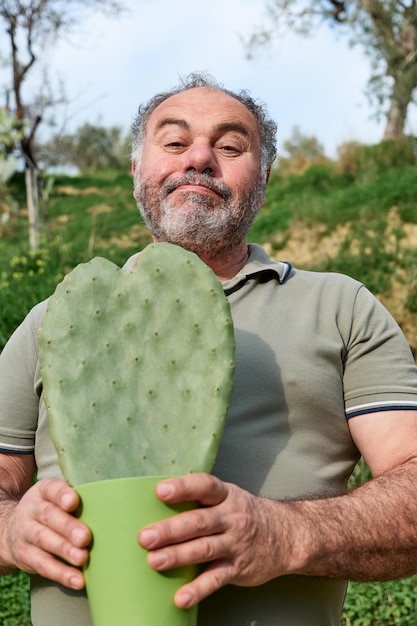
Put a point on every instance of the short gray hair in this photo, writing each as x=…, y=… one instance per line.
x=268, y=127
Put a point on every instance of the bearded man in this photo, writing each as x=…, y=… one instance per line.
x=323, y=375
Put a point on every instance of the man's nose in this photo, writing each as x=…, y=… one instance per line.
x=201, y=158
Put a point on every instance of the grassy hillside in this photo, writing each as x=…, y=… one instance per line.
x=357, y=216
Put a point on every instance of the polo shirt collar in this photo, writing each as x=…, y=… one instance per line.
x=258, y=263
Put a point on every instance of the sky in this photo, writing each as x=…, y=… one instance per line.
x=111, y=65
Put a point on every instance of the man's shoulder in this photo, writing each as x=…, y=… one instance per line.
x=36, y=315
x=290, y=273
x=332, y=279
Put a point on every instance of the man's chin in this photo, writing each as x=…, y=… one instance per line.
x=191, y=201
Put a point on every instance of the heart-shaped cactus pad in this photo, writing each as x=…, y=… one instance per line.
x=137, y=366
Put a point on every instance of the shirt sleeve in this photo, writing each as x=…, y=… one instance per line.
x=20, y=386
x=380, y=371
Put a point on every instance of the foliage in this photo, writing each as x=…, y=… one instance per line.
x=302, y=150
x=90, y=149
x=14, y=600
x=87, y=217
x=411, y=299
x=372, y=160
x=391, y=603
x=307, y=146
x=385, y=29
x=10, y=132
x=332, y=195
x=26, y=280
x=28, y=27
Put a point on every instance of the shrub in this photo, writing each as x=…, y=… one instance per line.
x=364, y=160
x=24, y=281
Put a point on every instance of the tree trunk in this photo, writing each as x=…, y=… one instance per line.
x=394, y=128
x=32, y=198
x=401, y=96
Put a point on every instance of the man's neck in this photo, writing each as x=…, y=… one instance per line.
x=226, y=268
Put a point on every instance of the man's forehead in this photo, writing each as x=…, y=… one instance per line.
x=203, y=102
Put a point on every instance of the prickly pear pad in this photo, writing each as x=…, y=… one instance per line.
x=137, y=367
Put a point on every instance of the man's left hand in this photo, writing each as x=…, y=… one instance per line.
x=232, y=532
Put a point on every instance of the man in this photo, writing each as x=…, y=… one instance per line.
x=323, y=374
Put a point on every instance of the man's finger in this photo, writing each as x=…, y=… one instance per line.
x=213, y=578
x=196, y=523
x=203, y=488
x=48, y=567
x=59, y=492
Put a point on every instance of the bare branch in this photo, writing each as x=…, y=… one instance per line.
x=29, y=26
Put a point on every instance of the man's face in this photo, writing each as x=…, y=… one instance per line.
x=199, y=180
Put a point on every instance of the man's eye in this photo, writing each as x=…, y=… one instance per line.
x=174, y=144
x=230, y=150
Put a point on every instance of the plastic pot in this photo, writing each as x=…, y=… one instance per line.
x=121, y=587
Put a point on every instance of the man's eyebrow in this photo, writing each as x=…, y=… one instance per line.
x=224, y=127
x=167, y=121
x=236, y=127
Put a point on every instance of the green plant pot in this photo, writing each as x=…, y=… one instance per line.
x=121, y=587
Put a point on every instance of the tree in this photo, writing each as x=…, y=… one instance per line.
x=89, y=149
x=387, y=31
x=29, y=26
x=302, y=150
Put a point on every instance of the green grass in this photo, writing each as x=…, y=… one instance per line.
x=322, y=194
x=96, y=215
x=381, y=604
x=14, y=600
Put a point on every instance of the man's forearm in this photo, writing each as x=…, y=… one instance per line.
x=16, y=475
x=7, y=506
x=369, y=534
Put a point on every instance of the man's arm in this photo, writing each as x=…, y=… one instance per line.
x=36, y=524
x=369, y=534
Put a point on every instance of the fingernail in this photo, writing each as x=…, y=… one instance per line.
x=76, y=582
x=164, y=490
x=184, y=600
x=67, y=501
x=148, y=538
x=157, y=559
x=79, y=536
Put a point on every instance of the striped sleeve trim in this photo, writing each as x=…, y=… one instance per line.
x=373, y=407
x=6, y=448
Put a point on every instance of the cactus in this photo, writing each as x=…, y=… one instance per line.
x=137, y=367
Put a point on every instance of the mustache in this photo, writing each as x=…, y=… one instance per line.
x=199, y=179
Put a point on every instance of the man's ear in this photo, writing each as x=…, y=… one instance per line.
x=267, y=175
x=134, y=168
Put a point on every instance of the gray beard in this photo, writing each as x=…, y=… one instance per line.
x=210, y=228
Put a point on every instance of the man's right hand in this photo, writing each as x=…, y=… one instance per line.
x=41, y=535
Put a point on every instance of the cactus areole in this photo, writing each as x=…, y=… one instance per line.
x=137, y=367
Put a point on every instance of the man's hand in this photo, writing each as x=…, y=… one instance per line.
x=40, y=527
x=367, y=534
x=232, y=533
